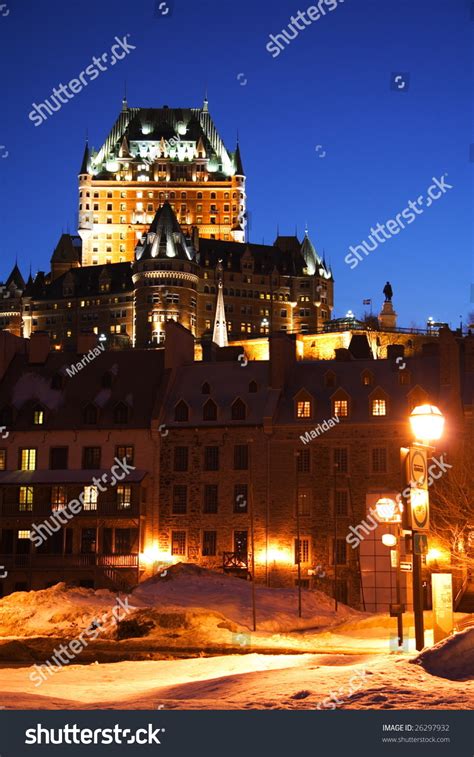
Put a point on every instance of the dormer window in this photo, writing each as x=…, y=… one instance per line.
x=121, y=413
x=239, y=410
x=330, y=379
x=57, y=381
x=367, y=378
x=379, y=407
x=205, y=389
x=253, y=387
x=341, y=408
x=90, y=415
x=38, y=416
x=303, y=409
x=181, y=412
x=209, y=411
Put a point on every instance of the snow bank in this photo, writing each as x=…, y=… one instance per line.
x=451, y=658
x=185, y=585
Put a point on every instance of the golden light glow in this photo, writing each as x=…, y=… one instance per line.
x=387, y=509
x=389, y=540
x=274, y=554
x=153, y=554
x=427, y=423
x=435, y=555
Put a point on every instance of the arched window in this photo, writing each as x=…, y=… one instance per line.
x=209, y=411
x=253, y=386
x=121, y=413
x=90, y=415
x=239, y=411
x=181, y=412
x=205, y=389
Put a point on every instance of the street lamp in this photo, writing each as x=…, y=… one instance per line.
x=427, y=423
x=390, y=512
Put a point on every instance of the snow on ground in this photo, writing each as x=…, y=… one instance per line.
x=451, y=658
x=277, y=609
x=251, y=681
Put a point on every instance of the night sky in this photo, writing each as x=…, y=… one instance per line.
x=331, y=86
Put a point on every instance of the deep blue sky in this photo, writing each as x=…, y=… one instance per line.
x=329, y=87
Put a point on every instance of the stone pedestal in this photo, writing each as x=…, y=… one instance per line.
x=387, y=317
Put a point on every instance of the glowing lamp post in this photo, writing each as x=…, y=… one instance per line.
x=427, y=424
x=389, y=511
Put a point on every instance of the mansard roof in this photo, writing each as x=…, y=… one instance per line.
x=144, y=128
x=84, y=281
x=266, y=258
x=165, y=238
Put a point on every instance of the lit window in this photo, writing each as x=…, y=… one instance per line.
x=38, y=417
x=25, y=498
x=3, y=459
x=90, y=498
x=58, y=497
x=178, y=543
x=124, y=496
x=304, y=502
x=301, y=551
x=27, y=459
x=23, y=534
x=303, y=409
x=341, y=408
x=379, y=407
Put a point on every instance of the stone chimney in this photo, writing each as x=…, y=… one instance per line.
x=10, y=345
x=39, y=347
x=282, y=358
x=179, y=346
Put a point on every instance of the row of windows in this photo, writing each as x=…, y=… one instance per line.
x=115, y=541
x=378, y=407
x=58, y=457
x=340, y=460
x=161, y=195
x=209, y=410
x=90, y=414
x=59, y=500
x=211, y=458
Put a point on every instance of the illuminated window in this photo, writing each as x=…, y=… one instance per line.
x=25, y=498
x=58, y=497
x=124, y=496
x=379, y=407
x=27, y=459
x=303, y=409
x=38, y=417
x=24, y=534
x=90, y=497
x=3, y=459
x=178, y=543
x=341, y=408
x=301, y=550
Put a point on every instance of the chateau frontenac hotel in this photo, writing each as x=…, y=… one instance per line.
x=256, y=429
x=160, y=203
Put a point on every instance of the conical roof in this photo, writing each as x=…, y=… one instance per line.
x=165, y=238
x=16, y=278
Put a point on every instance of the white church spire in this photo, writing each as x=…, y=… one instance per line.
x=220, y=324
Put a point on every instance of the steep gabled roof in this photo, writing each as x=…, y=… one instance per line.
x=16, y=278
x=85, y=160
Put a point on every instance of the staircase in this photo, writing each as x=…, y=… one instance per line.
x=117, y=579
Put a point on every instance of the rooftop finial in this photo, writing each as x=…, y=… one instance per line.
x=205, y=106
x=124, y=100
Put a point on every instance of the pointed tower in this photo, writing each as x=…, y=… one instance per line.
x=165, y=277
x=238, y=181
x=219, y=335
x=85, y=215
